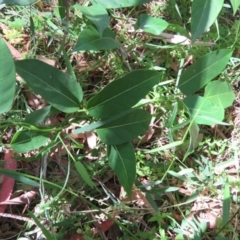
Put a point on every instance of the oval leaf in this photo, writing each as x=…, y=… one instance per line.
x=27, y=140
x=91, y=39
x=203, y=71
x=59, y=89
x=220, y=93
x=203, y=111
x=204, y=13
x=120, y=4
x=97, y=14
x=7, y=78
x=123, y=93
x=18, y=2
x=122, y=160
x=125, y=128
x=150, y=24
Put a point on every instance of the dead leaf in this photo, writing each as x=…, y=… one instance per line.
x=47, y=60
x=23, y=199
x=34, y=100
x=136, y=196
x=174, y=66
x=8, y=183
x=91, y=139
x=104, y=226
x=13, y=36
x=15, y=53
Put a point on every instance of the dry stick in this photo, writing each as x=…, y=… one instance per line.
x=25, y=219
x=125, y=58
x=177, y=39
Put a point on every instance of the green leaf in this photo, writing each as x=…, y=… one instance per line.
x=165, y=147
x=226, y=204
x=123, y=162
x=203, y=71
x=91, y=39
x=19, y=176
x=220, y=93
x=235, y=5
x=38, y=116
x=59, y=89
x=97, y=14
x=178, y=29
x=221, y=238
x=62, y=9
x=125, y=128
x=84, y=174
x=123, y=93
x=120, y=4
x=48, y=235
x=203, y=111
x=204, y=13
x=194, y=131
x=100, y=123
x=150, y=24
x=27, y=140
x=18, y=2
x=183, y=178
x=7, y=78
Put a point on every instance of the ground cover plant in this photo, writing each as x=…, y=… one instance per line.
x=119, y=119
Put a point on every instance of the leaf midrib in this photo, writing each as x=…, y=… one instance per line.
x=48, y=85
x=121, y=93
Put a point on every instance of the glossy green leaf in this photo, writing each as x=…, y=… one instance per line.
x=83, y=173
x=27, y=140
x=203, y=111
x=120, y=4
x=59, y=89
x=204, y=13
x=220, y=93
x=91, y=39
x=123, y=93
x=203, y=71
x=235, y=5
x=38, y=116
x=7, y=78
x=122, y=160
x=150, y=24
x=97, y=14
x=18, y=2
x=126, y=128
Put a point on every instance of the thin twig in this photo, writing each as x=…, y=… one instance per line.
x=25, y=219
x=177, y=39
x=125, y=58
